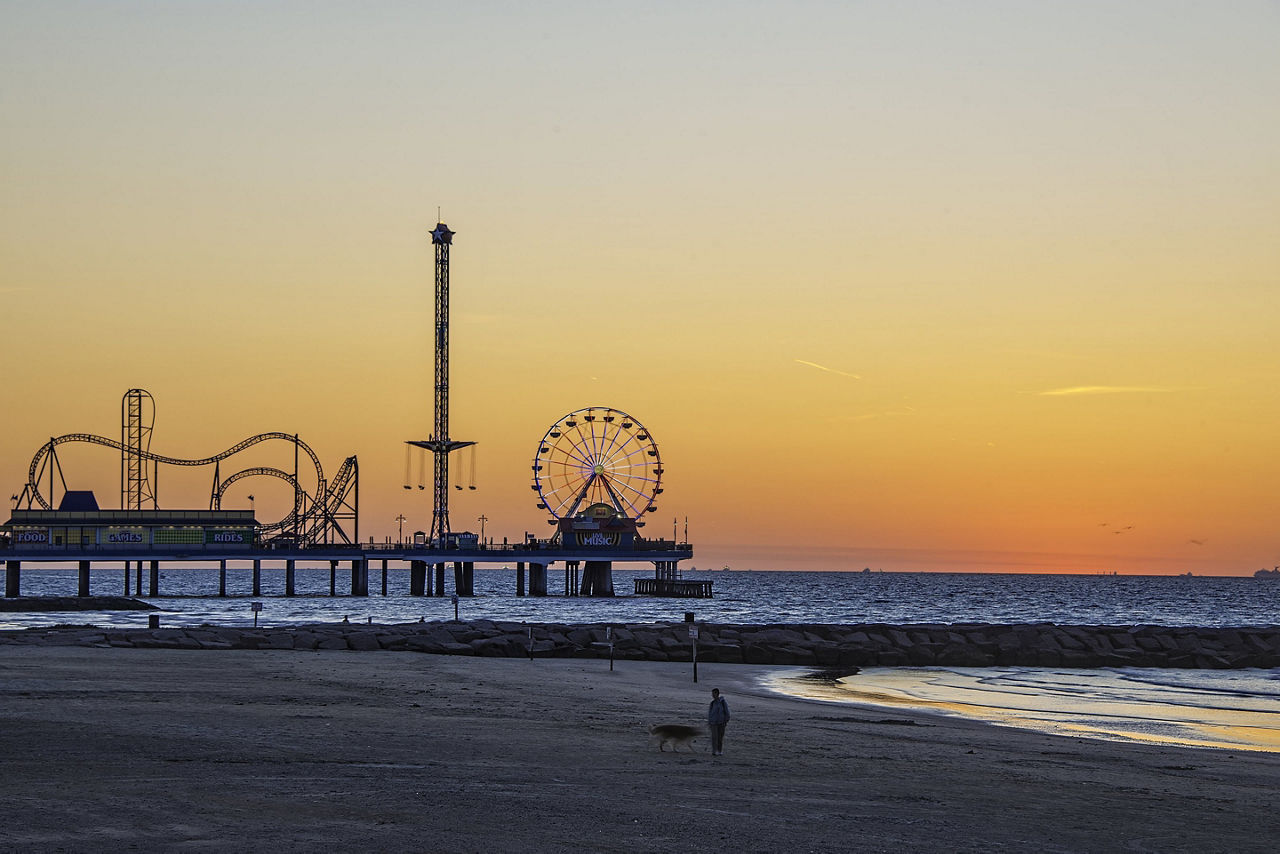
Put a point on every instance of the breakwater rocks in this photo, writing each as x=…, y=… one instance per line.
x=73, y=603
x=968, y=645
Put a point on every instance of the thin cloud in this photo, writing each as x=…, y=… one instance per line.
x=1103, y=389
x=828, y=370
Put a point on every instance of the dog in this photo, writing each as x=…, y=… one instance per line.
x=676, y=734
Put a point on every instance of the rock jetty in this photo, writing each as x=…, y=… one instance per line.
x=73, y=603
x=821, y=645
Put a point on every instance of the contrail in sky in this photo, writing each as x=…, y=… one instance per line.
x=828, y=370
x=1103, y=389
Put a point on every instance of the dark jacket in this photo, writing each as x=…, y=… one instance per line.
x=718, y=713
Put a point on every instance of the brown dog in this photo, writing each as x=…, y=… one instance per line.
x=676, y=734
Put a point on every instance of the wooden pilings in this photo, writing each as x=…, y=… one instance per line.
x=333, y=578
x=12, y=577
x=222, y=578
x=257, y=578
x=520, y=578
x=597, y=578
x=359, y=577
x=384, y=577
x=418, y=578
x=153, y=579
x=440, y=579
x=290, y=574
x=537, y=579
x=82, y=578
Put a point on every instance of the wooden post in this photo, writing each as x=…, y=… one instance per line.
x=83, y=578
x=417, y=578
x=537, y=579
x=469, y=577
x=520, y=578
x=257, y=577
x=154, y=580
x=289, y=576
x=222, y=577
x=138, y=579
x=13, y=578
x=359, y=577
x=440, y=579
x=384, y=576
x=126, y=578
x=333, y=578
x=597, y=578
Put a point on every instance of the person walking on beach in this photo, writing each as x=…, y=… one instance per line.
x=717, y=717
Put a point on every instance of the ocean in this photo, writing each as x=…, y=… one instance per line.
x=189, y=598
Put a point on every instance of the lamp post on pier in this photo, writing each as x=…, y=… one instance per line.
x=401, y=520
x=483, y=518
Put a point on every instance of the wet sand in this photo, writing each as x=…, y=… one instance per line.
x=153, y=750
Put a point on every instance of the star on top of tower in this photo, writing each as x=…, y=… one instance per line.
x=442, y=234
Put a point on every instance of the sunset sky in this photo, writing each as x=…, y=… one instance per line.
x=912, y=286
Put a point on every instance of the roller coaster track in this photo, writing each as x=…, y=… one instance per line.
x=312, y=524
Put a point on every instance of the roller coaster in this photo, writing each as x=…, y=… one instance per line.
x=321, y=517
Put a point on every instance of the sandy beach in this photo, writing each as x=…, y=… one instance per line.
x=146, y=750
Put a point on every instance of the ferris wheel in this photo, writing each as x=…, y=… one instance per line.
x=595, y=456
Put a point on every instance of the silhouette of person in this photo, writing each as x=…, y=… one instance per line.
x=717, y=717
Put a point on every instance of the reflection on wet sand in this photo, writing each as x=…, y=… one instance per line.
x=1236, y=710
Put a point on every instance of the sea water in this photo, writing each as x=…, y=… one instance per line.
x=189, y=597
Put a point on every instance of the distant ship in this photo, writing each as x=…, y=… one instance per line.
x=1268, y=573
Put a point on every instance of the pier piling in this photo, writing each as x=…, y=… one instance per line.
x=12, y=577
x=417, y=578
x=289, y=576
x=83, y=578
x=520, y=578
x=153, y=580
x=222, y=578
x=257, y=577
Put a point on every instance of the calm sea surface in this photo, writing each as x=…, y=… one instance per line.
x=189, y=595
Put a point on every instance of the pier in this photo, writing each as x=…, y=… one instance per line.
x=427, y=567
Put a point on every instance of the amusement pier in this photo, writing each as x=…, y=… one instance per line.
x=596, y=473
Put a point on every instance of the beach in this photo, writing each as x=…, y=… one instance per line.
x=257, y=750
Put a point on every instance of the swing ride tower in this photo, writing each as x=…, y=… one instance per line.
x=440, y=445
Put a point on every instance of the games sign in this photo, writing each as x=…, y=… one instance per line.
x=123, y=536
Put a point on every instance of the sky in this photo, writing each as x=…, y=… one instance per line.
x=917, y=286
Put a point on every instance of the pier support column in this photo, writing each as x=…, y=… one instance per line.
x=126, y=578
x=469, y=577
x=83, y=577
x=417, y=578
x=439, y=579
x=153, y=580
x=384, y=576
x=13, y=577
x=333, y=578
x=360, y=577
x=289, y=576
x=537, y=579
x=137, y=579
x=520, y=578
x=257, y=577
x=459, y=583
x=597, y=578
x=222, y=577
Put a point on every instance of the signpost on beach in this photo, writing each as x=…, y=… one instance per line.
x=255, y=607
x=693, y=635
x=455, y=607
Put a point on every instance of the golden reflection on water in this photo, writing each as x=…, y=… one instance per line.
x=1055, y=710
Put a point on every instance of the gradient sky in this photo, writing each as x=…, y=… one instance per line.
x=914, y=286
